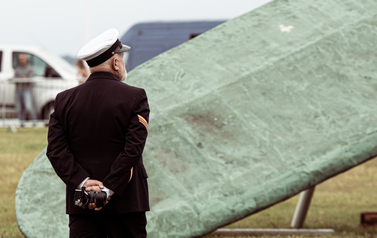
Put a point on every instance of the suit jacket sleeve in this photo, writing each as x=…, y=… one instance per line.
x=136, y=137
x=62, y=160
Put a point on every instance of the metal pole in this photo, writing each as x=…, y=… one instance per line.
x=302, y=208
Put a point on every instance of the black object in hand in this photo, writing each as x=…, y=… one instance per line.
x=82, y=198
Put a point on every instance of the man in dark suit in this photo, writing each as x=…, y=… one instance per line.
x=96, y=138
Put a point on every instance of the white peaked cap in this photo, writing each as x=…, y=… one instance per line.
x=102, y=48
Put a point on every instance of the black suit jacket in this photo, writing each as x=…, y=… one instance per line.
x=98, y=130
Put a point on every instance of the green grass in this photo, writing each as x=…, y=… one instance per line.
x=336, y=204
x=17, y=151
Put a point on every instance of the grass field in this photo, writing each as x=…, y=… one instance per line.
x=337, y=203
x=17, y=151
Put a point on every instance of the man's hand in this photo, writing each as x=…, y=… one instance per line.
x=96, y=186
x=93, y=185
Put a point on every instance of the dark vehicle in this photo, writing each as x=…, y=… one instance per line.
x=150, y=39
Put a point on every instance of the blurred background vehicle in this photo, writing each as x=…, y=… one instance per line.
x=150, y=39
x=52, y=75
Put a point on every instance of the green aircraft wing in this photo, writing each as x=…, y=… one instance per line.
x=244, y=116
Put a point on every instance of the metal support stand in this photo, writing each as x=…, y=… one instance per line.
x=302, y=208
x=297, y=222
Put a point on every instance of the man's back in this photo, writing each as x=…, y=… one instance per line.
x=97, y=118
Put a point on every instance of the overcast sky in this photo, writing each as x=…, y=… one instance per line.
x=64, y=26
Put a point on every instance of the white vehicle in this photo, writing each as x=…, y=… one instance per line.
x=52, y=75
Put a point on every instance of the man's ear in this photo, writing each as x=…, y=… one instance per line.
x=115, y=64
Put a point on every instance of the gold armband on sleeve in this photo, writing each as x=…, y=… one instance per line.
x=143, y=121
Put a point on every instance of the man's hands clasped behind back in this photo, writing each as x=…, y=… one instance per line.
x=95, y=186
